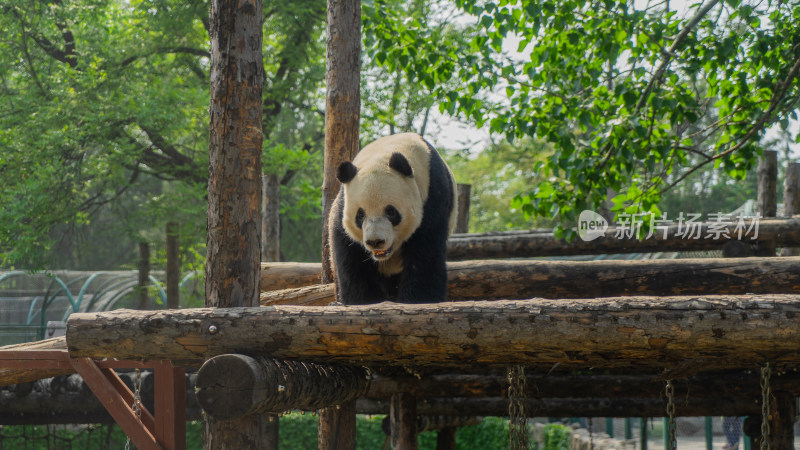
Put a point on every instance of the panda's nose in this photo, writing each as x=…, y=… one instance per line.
x=375, y=243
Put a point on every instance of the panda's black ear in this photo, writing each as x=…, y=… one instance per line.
x=399, y=163
x=346, y=172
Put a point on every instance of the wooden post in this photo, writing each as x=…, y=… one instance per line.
x=144, y=274
x=462, y=217
x=173, y=267
x=403, y=420
x=791, y=200
x=446, y=439
x=781, y=424
x=767, y=194
x=271, y=222
x=234, y=187
x=337, y=426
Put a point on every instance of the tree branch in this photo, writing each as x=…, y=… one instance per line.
x=659, y=73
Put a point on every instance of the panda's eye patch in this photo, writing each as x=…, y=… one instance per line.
x=359, y=217
x=393, y=215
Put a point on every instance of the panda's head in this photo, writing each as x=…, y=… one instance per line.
x=382, y=203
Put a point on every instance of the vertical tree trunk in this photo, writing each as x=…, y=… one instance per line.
x=337, y=426
x=403, y=420
x=271, y=222
x=343, y=104
x=144, y=274
x=462, y=217
x=791, y=200
x=234, y=185
x=767, y=194
x=173, y=267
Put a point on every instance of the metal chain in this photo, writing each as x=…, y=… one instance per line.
x=591, y=434
x=137, y=401
x=518, y=424
x=670, y=391
x=766, y=393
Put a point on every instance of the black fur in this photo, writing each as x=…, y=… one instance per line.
x=399, y=163
x=424, y=275
x=346, y=172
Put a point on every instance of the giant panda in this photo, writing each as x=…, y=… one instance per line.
x=389, y=224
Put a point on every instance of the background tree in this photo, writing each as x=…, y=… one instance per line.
x=614, y=87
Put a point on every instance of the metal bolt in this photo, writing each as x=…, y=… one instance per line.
x=212, y=329
x=281, y=388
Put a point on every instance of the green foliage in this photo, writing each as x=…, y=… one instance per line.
x=296, y=430
x=497, y=175
x=104, y=127
x=632, y=96
x=556, y=437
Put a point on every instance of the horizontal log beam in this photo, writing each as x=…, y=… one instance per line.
x=710, y=385
x=16, y=375
x=515, y=280
x=686, y=335
x=232, y=386
x=583, y=407
x=774, y=232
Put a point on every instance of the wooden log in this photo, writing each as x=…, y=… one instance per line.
x=270, y=218
x=514, y=280
x=781, y=232
x=767, y=201
x=685, y=334
x=462, y=213
x=572, y=407
x=10, y=376
x=403, y=421
x=791, y=200
x=783, y=410
x=316, y=295
x=286, y=275
x=233, y=243
x=231, y=386
x=465, y=385
x=173, y=266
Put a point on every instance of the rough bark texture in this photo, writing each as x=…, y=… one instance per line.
x=234, y=185
x=66, y=399
x=462, y=216
x=403, y=421
x=15, y=376
x=767, y=195
x=514, y=280
x=337, y=429
x=781, y=232
x=570, y=407
x=768, y=184
x=144, y=275
x=173, y=266
x=286, y=275
x=231, y=386
x=317, y=295
x=712, y=385
x=686, y=334
x=271, y=221
x=781, y=423
x=791, y=200
x=342, y=104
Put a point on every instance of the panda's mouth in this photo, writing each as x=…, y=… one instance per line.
x=381, y=254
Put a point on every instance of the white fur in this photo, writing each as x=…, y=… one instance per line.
x=377, y=185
